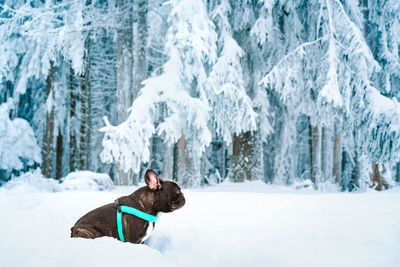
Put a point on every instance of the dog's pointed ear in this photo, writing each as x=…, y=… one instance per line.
x=152, y=180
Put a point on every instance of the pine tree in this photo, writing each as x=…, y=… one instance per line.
x=181, y=86
x=323, y=93
x=125, y=91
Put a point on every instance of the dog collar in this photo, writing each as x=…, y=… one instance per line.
x=132, y=211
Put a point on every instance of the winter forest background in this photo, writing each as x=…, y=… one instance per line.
x=283, y=91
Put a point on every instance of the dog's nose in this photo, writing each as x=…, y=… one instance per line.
x=182, y=198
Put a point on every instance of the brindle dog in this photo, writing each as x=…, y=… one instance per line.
x=103, y=220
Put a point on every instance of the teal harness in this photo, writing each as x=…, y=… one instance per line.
x=132, y=211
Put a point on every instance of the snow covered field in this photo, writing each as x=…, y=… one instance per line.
x=250, y=224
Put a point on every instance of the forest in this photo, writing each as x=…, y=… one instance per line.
x=282, y=91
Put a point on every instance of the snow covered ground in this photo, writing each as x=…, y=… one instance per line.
x=250, y=224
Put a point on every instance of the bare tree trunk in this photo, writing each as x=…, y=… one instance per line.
x=168, y=163
x=337, y=158
x=366, y=17
x=315, y=150
x=141, y=47
x=156, y=159
x=73, y=146
x=180, y=158
x=245, y=157
x=84, y=142
x=124, y=79
x=377, y=180
x=324, y=154
x=175, y=165
x=355, y=175
x=189, y=163
x=59, y=154
x=7, y=92
x=89, y=119
x=49, y=133
x=186, y=165
x=140, y=74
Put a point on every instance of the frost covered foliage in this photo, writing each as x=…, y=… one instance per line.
x=326, y=78
x=232, y=108
x=308, y=77
x=383, y=127
x=18, y=146
x=285, y=91
x=382, y=31
x=191, y=46
x=47, y=31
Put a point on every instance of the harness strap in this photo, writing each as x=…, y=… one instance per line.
x=132, y=211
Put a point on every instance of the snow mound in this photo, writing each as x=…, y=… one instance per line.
x=18, y=146
x=86, y=181
x=32, y=181
x=305, y=185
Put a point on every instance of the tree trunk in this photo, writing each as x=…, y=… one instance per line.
x=189, y=163
x=7, y=91
x=181, y=157
x=141, y=47
x=84, y=130
x=377, y=180
x=59, y=154
x=175, y=165
x=124, y=79
x=324, y=154
x=355, y=175
x=73, y=146
x=365, y=12
x=337, y=158
x=140, y=74
x=245, y=157
x=49, y=132
x=315, y=150
x=167, y=162
x=156, y=157
x=397, y=179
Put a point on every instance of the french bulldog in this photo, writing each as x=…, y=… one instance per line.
x=158, y=196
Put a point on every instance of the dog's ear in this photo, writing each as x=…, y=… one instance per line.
x=152, y=180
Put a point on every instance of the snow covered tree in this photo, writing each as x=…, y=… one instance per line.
x=103, y=58
x=248, y=162
x=181, y=86
x=181, y=80
x=325, y=76
x=233, y=112
x=125, y=93
x=381, y=31
x=18, y=147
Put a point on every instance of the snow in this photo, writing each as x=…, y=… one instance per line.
x=87, y=180
x=31, y=182
x=246, y=224
x=34, y=181
x=18, y=146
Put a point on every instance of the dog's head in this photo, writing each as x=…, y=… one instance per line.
x=168, y=194
x=169, y=197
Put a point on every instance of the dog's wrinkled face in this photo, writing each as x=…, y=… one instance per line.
x=169, y=197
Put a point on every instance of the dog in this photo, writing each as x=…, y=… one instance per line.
x=166, y=196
